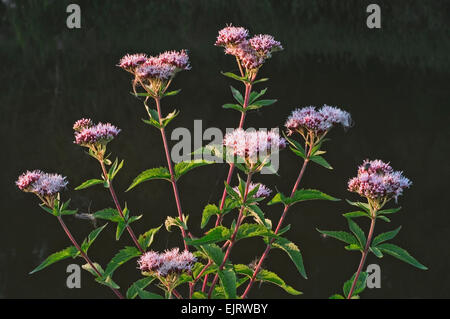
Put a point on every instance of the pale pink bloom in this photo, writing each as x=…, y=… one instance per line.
x=253, y=144
x=131, y=61
x=231, y=35
x=265, y=44
x=155, y=70
x=27, y=179
x=168, y=262
x=99, y=133
x=335, y=115
x=82, y=123
x=150, y=261
x=378, y=181
x=263, y=190
x=178, y=59
x=49, y=184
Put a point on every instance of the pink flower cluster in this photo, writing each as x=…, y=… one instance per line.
x=378, y=181
x=250, y=145
x=251, y=53
x=162, y=67
x=263, y=190
x=167, y=263
x=318, y=121
x=86, y=133
x=41, y=183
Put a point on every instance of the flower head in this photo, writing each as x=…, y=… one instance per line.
x=41, y=183
x=154, y=70
x=253, y=146
x=167, y=263
x=82, y=124
x=95, y=134
x=179, y=59
x=377, y=181
x=317, y=121
x=263, y=190
x=265, y=44
x=131, y=61
x=231, y=35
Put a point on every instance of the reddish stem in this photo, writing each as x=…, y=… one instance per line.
x=172, y=174
x=363, y=257
x=119, y=208
x=86, y=258
x=233, y=236
x=280, y=222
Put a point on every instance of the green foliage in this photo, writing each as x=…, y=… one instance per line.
x=184, y=167
x=401, y=254
x=357, y=231
x=293, y=252
x=208, y=211
x=91, y=238
x=299, y=196
x=228, y=279
x=146, y=239
x=70, y=251
x=114, y=169
x=214, y=235
x=340, y=235
x=321, y=161
x=141, y=284
x=89, y=183
x=385, y=236
x=150, y=174
x=359, y=287
x=120, y=258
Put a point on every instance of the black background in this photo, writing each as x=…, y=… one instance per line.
x=394, y=81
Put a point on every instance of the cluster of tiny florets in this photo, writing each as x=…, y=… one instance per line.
x=318, y=121
x=90, y=134
x=252, y=52
x=263, y=190
x=250, y=145
x=41, y=183
x=161, y=67
x=378, y=181
x=167, y=263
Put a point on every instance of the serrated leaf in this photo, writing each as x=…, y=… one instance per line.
x=150, y=174
x=214, y=252
x=70, y=251
x=401, y=254
x=293, y=252
x=385, y=236
x=133, y=291
x=359, y=287
x=120, y=258
x=91, y=238
x=228, y=280
x=357, y=231
x=107, y=282
x=217, y=234
x=237, y=95
x=121, y=225
x=256, y=95
x=208, y=211
x=340, y=235
x=235, y=107
x=321, y=161
x=253, y=230
x=184, y=167
x=91, y=270
x=110, y=214
x=301, y=195
x=89, y=183
x=269, y=276
x=146, y=239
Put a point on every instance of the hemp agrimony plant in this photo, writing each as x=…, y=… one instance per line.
x=205, y=264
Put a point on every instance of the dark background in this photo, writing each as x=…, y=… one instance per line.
x=393, y=81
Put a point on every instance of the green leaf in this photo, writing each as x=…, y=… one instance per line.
x=359, y=287
x=296, y=145
x=376, y=252
x=110, y=214
x=208, y=211
x=107, y=282
x=237, y=95
x=388, y=211
x=258, y=215
x=321, y=161
x=233, y=107
x=133, y=291
x=357, y=231
x=146, y=239
x=114, y=169
x=355, y=214
x=120, y=258
x=301, y=195
x=293, y=252
x=258, y=104
x=364, y=206
x=384, y=218
x=89, y=183
x=253, y=230
x=401, y=254
x=385, y=236
x=91, y=238
x=172, y=93
x=340, y=235
x=269, y=276
x=70, y=251
x=297, y=152
x=217, y=234
x=121, y=225
x=184, y=167
x=256, y=95
x=90, y=269
x=199, y=295
x=228, y=280
x=234, y=76
x=214, y=252
x=177, y=222
x=144, y=294
x=261, y=80
x=169, y=117
x=150, y=174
